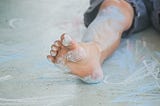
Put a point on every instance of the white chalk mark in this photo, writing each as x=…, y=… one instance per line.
x=13, y=21
x=34, y=99
x=112, y=83
x=45, y=100
x=4, y=78
x=151, y=69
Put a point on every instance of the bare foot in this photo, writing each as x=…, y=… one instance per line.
x=83, y=59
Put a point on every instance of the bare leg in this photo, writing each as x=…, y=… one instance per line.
x=102, y=38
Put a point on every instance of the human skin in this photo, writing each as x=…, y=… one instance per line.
x=84, y=59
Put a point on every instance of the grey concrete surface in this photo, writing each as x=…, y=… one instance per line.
x=29, y=27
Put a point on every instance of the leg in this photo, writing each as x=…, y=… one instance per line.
x=85, y=59
x=114, y=17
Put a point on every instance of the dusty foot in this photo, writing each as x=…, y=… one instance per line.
x=83, y=59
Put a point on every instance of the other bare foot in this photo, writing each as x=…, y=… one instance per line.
x=83, y=59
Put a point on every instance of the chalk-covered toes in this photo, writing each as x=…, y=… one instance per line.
x=54, y=48
x=66, y=40
x=65, y=49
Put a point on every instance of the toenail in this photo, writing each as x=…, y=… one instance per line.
x=53, y=53
x=67, y=40
x=54, y=48
x=56, y=43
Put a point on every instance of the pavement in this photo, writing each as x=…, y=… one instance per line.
x=27, y=78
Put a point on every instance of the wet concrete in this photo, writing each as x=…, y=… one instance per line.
x=27, y=78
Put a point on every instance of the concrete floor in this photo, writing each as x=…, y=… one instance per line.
x=29, y=27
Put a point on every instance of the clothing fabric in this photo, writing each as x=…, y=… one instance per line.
x=146, y=13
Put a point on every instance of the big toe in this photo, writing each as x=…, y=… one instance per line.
x=68, y=42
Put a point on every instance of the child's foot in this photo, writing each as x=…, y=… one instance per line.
x=83, y=59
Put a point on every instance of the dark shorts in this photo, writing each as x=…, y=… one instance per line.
x=146, y=13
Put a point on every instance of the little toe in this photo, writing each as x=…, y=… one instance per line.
x=51, y=58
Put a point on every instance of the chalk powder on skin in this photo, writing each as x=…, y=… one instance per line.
x=67, y=40
x=76, y=55
x=73, y=55
x=92, y=79
x=107, y=22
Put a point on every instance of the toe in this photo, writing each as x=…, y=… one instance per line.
x=68, y=42
x=57, y=43
x=51, y=58
x=53, y=53
x=54, y=48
